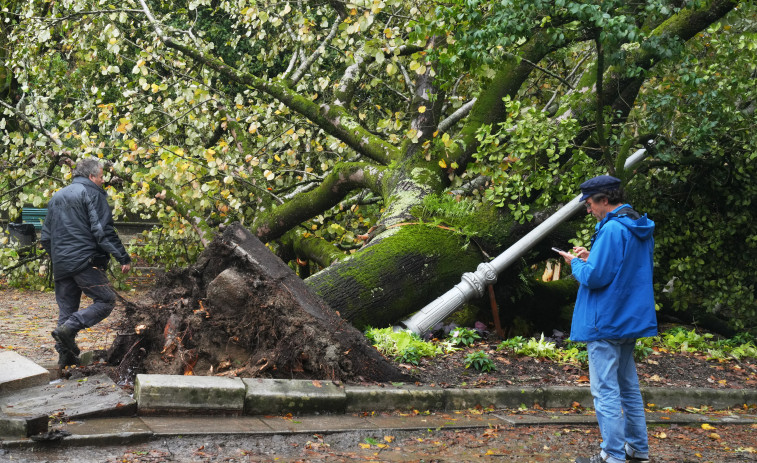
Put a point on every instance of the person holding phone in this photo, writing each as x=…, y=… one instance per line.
x=614, y=307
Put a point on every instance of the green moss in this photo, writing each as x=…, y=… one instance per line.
x=415, y=262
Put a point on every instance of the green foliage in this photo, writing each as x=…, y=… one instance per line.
x=403, y=346
x=463, y=336
x=524, y=171
x=700, y=192
x=677, y=339
x=537, y=348
x=480, y=361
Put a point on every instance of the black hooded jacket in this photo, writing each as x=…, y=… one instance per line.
x=78, y=230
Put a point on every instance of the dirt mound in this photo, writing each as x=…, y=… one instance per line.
x=240, y=311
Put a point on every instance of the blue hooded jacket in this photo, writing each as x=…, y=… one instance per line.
x=616, y=297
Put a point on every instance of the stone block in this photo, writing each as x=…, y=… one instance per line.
x=274, y=396
x=16, y=427
x=663, y=397
x=18, y=372
x=188, y=394
x=362, y=398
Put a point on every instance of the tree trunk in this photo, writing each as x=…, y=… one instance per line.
x=397, y=275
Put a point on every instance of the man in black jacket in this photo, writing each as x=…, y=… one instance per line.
x=78, y=235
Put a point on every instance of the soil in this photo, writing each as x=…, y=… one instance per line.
x=28, y=317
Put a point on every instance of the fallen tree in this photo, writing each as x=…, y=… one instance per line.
x=384, y=148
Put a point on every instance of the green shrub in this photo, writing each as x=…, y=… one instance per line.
x=463, y=336
x=480, y=361
x=403, y=346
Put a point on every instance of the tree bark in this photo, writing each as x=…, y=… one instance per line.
x=408, y=267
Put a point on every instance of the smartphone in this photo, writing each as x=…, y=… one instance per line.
x=557, y=250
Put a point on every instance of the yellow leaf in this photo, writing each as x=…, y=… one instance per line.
x=707, y=427
x=422, y=109
x=442, y=164
x=365, y=446
x=714, y=435
x=389, y=438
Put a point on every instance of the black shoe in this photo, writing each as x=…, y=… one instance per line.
x=66, y=337
x=630, y=459
x=593, y=459
x=67, y=359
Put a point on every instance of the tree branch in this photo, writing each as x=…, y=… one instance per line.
x=343, y=178
x=314, y=56
x=38, y=127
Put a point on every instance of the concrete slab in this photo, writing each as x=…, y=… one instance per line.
x=18, y=372
x=196, y=425
x=540, y=419
x=116, y=426
x=317, y=424
x=364, y=398
x=276, y=396
x=19, y=427
x=511, y=397
x=189, y=394
x=695, y=397
x=433, y=422
x=88, y=397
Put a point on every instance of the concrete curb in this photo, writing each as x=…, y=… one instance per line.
x=197, y=394
x=190, y=397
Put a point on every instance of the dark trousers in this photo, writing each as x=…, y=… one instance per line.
x=93, y=282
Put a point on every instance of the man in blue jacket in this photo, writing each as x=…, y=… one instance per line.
x=615, y=306
x=79, y=236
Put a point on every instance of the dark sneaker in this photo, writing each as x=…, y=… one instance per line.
x=67, y=359
x=593, y=459
x=66, y=337
x=630, y=459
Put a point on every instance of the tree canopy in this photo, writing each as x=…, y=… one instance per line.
x=366, y=135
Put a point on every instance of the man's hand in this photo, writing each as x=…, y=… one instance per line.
x=581, y=252
x=125, y=268
x=567, y=256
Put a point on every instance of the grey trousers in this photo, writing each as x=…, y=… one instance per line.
x=93, y=282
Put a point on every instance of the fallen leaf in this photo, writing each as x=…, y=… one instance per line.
x=707, y=427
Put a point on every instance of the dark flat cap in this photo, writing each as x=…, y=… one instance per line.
x=598, y=185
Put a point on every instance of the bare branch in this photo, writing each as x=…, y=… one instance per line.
x=318, y=51
x=453, y=118
x=153, y=21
